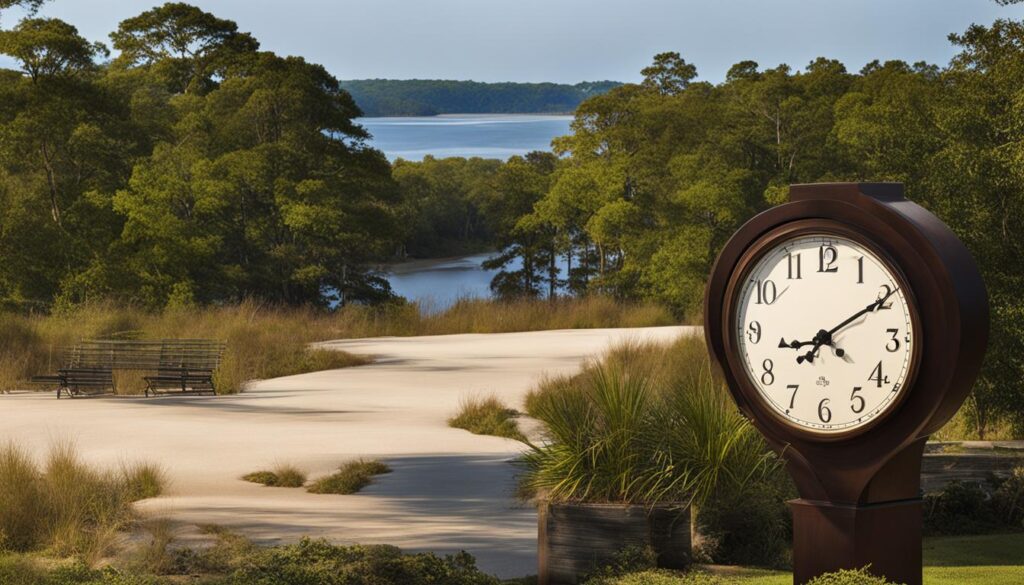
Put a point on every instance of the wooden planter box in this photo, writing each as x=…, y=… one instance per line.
x=574, y=540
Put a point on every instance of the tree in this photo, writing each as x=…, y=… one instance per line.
x=977, y=186
x=442, y=205
x=273, y=195
x=48, y=47
x=64, y=143
x=524, y=237
x=669, y=74
x=182, y=45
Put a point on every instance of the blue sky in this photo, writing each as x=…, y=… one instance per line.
x=571, y=40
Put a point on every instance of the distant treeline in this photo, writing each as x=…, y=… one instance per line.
x=430, y=97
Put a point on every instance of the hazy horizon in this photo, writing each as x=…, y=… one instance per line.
x=572, y=40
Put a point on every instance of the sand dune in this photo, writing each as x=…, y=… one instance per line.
x=450, y=490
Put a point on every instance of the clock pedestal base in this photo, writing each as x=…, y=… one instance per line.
x=828, y=537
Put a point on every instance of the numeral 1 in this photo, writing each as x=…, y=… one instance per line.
x=860, y=270
x=789, y=258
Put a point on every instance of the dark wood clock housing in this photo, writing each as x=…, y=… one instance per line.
x=859, y=491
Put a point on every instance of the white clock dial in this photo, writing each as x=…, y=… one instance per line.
x=825, y=333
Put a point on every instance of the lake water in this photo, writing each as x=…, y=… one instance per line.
x=438, y=283
x=466, y=135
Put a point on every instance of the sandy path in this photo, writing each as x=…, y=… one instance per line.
x=450, y=490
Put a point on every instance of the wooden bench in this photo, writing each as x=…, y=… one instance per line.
x=186, y=366
x=86, y=381
x=178, y=365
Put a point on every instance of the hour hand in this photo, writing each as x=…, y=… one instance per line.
x=794, y=344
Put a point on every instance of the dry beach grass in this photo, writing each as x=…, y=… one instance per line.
x=266, y=341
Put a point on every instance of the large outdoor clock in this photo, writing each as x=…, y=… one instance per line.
x=849, y=324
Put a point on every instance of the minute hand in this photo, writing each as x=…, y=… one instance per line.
x=825, y=337
x=872, y=307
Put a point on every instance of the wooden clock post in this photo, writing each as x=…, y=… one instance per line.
x=860, y=501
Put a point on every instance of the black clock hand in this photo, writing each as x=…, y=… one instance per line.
x=868, y=309
x=825, y=337
x=794, y=344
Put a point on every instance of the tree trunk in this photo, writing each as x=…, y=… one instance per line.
x=552, y=274
x=51, y=182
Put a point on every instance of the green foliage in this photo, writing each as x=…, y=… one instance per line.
x=487, y=416
x=647, y=424
x=192, y=170
x=656, y=176
x=748, y=526
x=631, y=559
x=430, y=97
x=182, y=46
x=1008, y=499
x=350, y=477
x=443, y=205
x=858, y=577
x=316, y=562
x=283, y=475
x=970, y=508
x=662, y=577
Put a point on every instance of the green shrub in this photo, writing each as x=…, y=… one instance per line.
x=631, y=559
x=748, y=526
x=317, y=562
x=648, y=423
x=267, y=478
x=1008, y=499
x=320, y=359
x=960, y=508
x=229, y=551
x=858, y=577
x=487, y=416
x=660, y=577
x=283, y=475
x=350, y=478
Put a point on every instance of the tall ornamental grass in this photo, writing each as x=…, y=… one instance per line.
x=66, y=507
x=265, y=341
x=645, y=424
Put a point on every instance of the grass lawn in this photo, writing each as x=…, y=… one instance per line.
x=995, y=559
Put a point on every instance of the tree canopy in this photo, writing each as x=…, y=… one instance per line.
x=193, y=168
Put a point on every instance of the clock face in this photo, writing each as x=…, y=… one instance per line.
x=825, y=333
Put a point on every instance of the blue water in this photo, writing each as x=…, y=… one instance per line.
x=465, y=135
x=437, y=283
